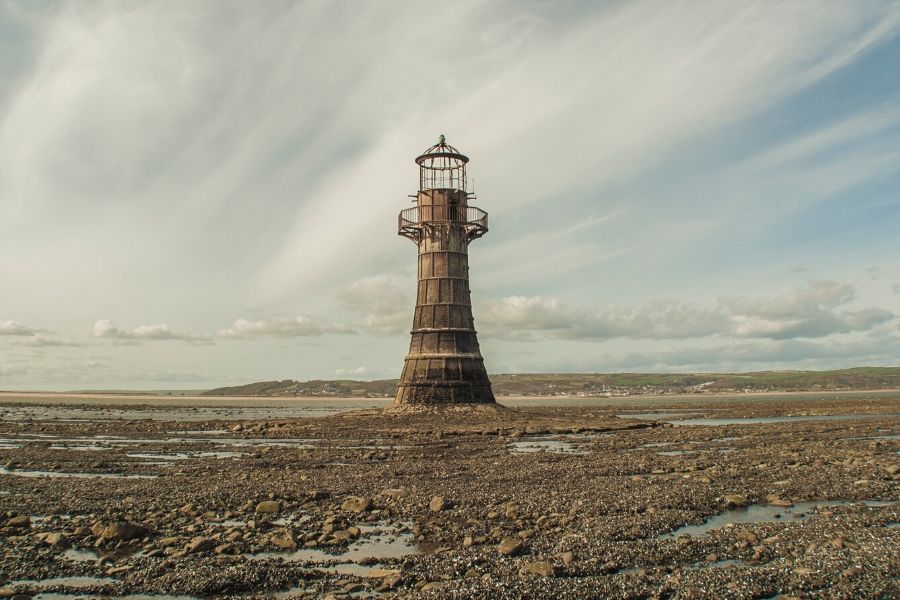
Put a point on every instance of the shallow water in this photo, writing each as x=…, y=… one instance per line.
x=72, y=582
x=164, y=456
x=785, y=419
x=763, y=513
x=58, y=474
x=543, y=445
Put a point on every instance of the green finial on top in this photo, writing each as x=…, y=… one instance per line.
x=441, y=139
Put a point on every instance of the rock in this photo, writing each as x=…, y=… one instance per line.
x=123, y=530
x=804, y=571
x=539, y=569
x=838, y=542
x=284, y=538
x=433, y=585
x=747, y=536
x=19, y=521
x=200, y=544
x=567, y=557
x=357, y=504
x=269, y=507
x=394, y=492
x=169, y=541
x=892, y=470
x=510, y=546
x=468, y=541
x=851, y=572
x=735, y=500
x=342, y=535
x=776, y=500
x=224, y=549
x=55, y=539
x=437, y=504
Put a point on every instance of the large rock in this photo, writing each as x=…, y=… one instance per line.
x=539, y=569
x=735, y=500
x=19, y=521
x=437, y=504
x=200, y=544
x=283, y=538
x=357, y=504
x=510, y=546
x=269, y=507
x=123, y=530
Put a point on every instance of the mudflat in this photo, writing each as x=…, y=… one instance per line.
x=740, y=496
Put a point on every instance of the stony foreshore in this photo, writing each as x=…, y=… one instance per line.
x=565, y=502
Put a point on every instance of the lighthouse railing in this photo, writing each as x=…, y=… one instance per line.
x=410, y=220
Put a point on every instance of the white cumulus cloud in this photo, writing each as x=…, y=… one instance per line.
x=105, y=329
x=283, y=327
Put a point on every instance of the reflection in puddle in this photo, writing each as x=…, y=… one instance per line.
x=5, y=471
x=544, y=445
x=763, y=513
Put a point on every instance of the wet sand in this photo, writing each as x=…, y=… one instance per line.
x=640, y=497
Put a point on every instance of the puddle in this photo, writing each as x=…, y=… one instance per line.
x=699, y=566
x=389, y=544
x=660, y=415
x=75, y=555
x=88, y=448
x=70, y=582
x=543, y=445
x=55, y=596
x=763, y=513
x=111, y=442
x=785, y=419
x=163, y=456
x=890, y=436
x=200, y=432
x=58, y=474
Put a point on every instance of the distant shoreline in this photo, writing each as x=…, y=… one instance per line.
x=100, y=399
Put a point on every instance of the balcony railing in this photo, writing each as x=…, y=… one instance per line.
x=472, y=218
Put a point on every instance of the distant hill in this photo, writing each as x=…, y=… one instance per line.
x=599, y=384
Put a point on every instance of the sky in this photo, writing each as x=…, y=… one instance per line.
x=196, y=194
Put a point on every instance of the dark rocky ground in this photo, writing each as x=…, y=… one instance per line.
x=371, y=504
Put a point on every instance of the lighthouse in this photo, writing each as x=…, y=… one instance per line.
x=444, y=365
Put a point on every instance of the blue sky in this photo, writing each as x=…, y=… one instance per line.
x=197, y=194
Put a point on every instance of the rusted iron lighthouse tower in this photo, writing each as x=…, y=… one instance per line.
x=444, y=364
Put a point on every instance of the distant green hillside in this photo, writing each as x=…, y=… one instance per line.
x=599, y=384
